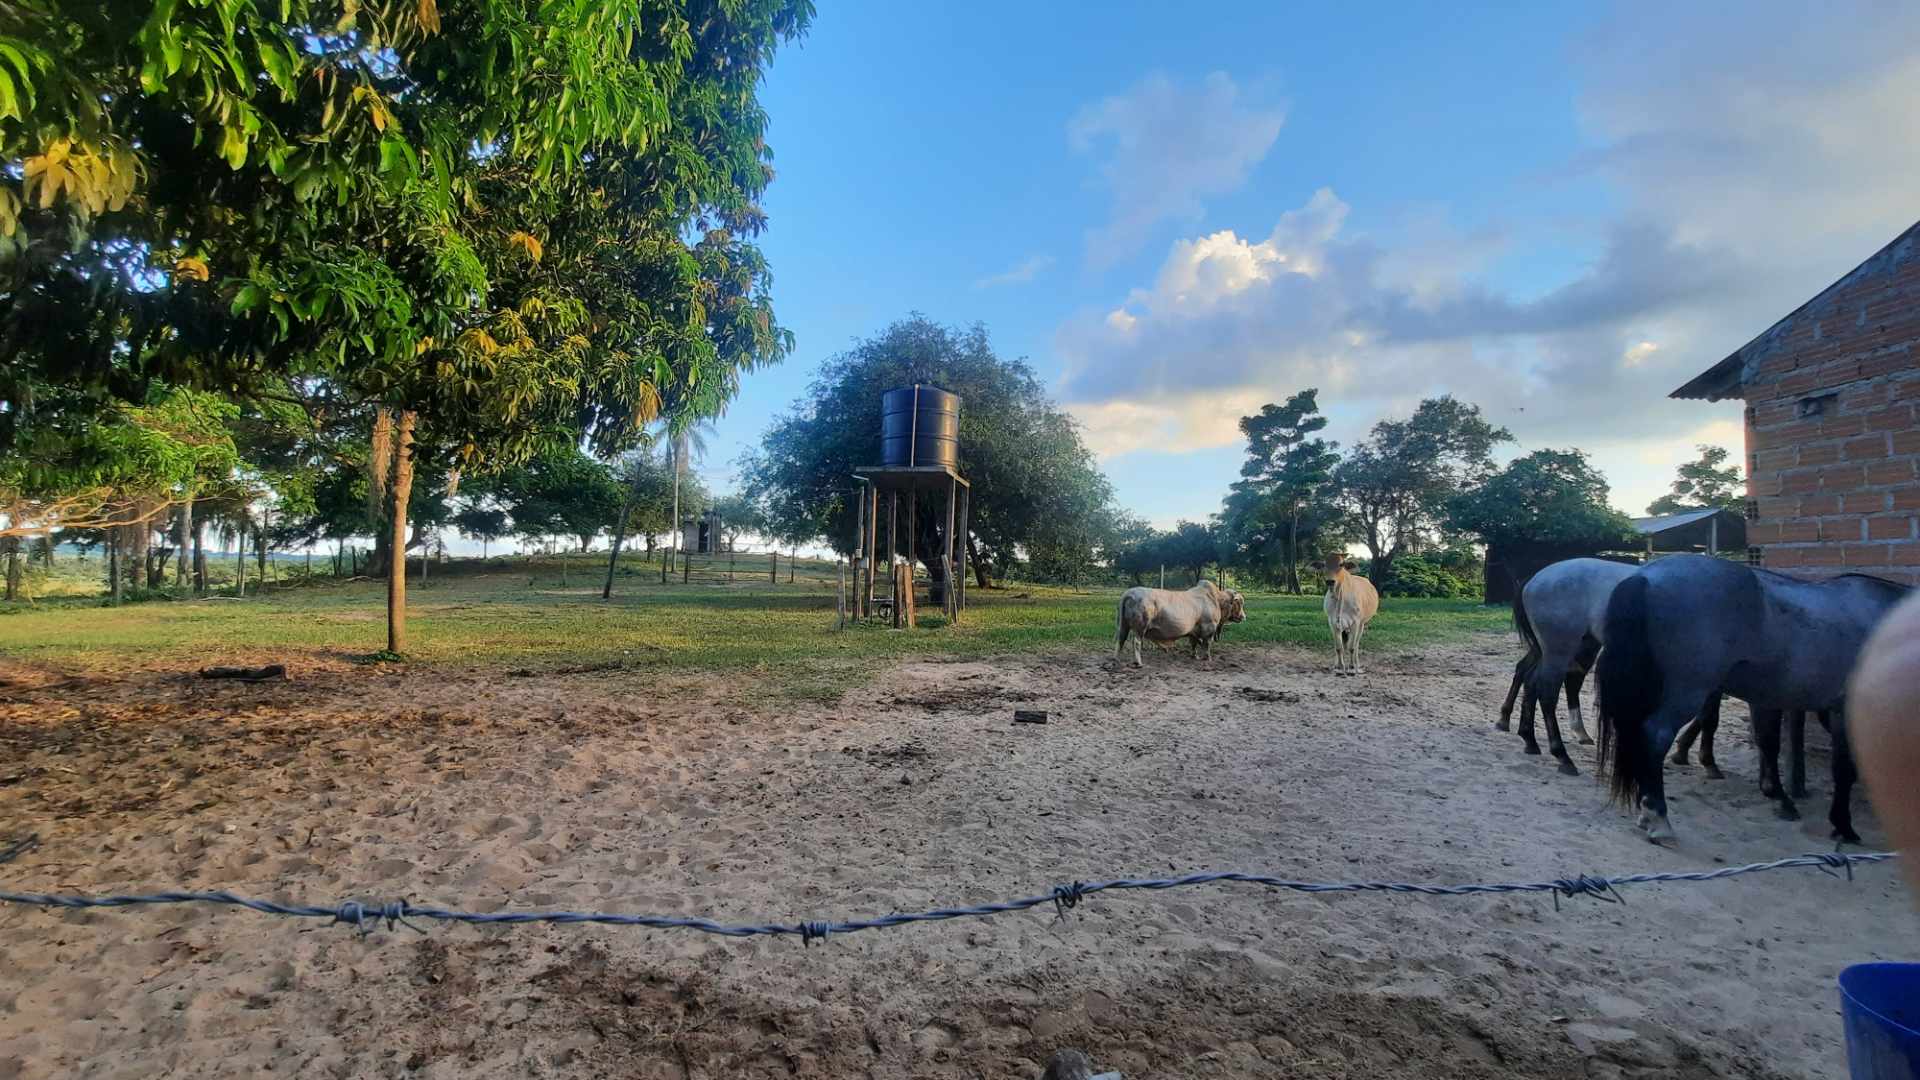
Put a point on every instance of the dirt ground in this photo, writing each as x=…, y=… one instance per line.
x=606, y=791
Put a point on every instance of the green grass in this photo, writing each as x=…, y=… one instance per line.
x=512, y=615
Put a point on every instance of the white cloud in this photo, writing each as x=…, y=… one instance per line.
x=1163, y=148
x=1753, y=161
x=1018, y=274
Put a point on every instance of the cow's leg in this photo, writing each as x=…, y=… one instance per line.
x=1358, y=633
x=1797, y=752
x=1766, y=735
x=1706, y=725
x=1513, y=693
x=1120, y=646
x=1138, y=637
x=1840, y=815
x=1339, y=649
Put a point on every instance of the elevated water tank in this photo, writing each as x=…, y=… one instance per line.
x=920, y=425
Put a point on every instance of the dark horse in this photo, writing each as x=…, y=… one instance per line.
x=1687, y=626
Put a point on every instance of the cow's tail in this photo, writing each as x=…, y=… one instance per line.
x=1630, y=683
x=1129, y=614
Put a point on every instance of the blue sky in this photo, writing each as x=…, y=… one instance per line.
x=1560, y=212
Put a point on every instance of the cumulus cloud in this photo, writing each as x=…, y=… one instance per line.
x=1162, y=148
x=1018, y=274
x=1752, y=163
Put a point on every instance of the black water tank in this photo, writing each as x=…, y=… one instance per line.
x=920, y=425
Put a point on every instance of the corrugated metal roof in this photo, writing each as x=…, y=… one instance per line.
x=1648, y=526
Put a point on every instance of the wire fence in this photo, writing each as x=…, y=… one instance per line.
x=366, y=915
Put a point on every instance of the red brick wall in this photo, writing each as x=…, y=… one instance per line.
x=1836, y=480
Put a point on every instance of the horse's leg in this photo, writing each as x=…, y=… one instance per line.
x=1684, y=743
x=1554, y=746
x=1706, y=725
x=1840, y=815
x=1766, y=734
x=1577, y=677
x=1529, y=701
x=1513, y=691
x=1798, y=752
x=1676, y=710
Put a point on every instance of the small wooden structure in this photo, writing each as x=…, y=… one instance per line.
x=880, y=496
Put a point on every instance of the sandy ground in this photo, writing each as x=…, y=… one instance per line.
x=601, y=791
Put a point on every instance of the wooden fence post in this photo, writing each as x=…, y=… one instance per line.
x=840, y=603
x=773, y=560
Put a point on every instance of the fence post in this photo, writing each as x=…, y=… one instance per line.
x=730, y=559
x=840, y=600
x=774, y=562
x=1163, y=575
x=686, y=568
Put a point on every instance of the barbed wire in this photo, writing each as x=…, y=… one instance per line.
x=364, y=915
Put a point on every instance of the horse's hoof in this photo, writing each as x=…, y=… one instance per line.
x=1567, y=768
x=1846, y=836
x=1502, y=725
x=1786, y=813
x=1800, y=791
x=1714, y=773
x=1679, y=759
x=1659, y=831
x=1585, y=739
x=1532, y=749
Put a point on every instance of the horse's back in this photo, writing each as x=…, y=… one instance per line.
x=1568, y=599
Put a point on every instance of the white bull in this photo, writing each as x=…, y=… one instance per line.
x=1165, y=615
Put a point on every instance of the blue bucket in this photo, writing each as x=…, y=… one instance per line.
x=1881, y=1006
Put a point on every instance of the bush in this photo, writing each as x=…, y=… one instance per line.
x=1418, y=576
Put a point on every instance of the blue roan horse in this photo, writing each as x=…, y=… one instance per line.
x=1688, y=626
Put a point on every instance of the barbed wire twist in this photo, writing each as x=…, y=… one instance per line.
x=364, y=916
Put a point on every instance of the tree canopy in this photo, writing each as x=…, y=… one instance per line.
x=1546, y=497
x=483, y=231
x=1397, y=484
x=1701, y=483
x=1283, y=485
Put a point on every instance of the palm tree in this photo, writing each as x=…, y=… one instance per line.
x=686, y=440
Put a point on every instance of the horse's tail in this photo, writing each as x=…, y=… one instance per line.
x=1629, y=676
x=1525, y=627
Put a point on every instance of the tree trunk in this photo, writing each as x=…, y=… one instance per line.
x=402, y=489
x=619, y=535
x=980, y=572
x=13, y=568
x=184, y=526
x=240, y=555
x=199, y=556
x=113, y=565
x=1293, y=553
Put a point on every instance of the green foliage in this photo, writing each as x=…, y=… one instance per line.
x=1546, y=497
x=1701, y=483
x=1420, y=575
x=1396, y=485
x=1036, y=487
x=1285, y=483
x=561, y=492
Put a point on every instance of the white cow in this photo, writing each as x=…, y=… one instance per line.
x=1163, y=615
x=1351, y=604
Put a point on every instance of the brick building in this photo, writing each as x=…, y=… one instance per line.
x=1833, y=440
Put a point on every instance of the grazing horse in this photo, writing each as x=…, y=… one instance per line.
x=1198, y=614
x=1685, y=627
x=1351, y=604
x=1561, y=614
